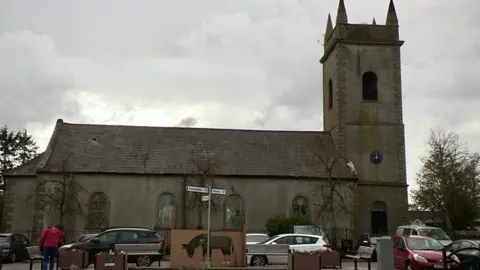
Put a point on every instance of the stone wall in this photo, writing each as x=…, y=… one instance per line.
x=133, y=200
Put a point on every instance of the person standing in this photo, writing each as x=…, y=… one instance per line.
x=49, y=240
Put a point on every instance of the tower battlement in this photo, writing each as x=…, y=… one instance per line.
x=361, y=34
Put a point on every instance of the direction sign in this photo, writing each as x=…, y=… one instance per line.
x=197, y=189
x=219, y=191
x=205, y=198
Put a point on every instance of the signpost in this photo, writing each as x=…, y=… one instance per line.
x=208, y=190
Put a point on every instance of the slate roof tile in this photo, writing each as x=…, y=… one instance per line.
x=175, y=150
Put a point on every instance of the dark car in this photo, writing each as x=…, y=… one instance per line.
x=13, y=247
x=467, y=256
x=106, y=241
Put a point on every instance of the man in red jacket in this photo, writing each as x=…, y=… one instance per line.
x=49, y=240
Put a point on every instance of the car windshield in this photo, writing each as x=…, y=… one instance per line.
x=86, y=237
x=423, y=244
x=268, y=239
x=438, y=234
x=3, y=238
x=256, y=238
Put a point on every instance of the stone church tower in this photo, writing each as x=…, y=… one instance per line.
x=362, y=99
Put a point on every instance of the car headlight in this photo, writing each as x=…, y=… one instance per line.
x=455, y=258
x=419, y=258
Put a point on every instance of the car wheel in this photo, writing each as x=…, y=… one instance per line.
x=258, y=261
x=144, y=261
x=13, y=257
x=408, y=266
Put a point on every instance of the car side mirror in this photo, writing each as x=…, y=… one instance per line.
x=401, y=249
x=95, y=240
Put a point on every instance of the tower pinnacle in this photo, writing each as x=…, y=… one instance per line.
x=341, y=13
x=374, y=22
x=392, y=18
x=329, y=29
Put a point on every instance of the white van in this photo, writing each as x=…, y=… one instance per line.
x=423, y=230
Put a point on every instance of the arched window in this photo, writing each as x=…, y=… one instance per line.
x=300, y=206
x=379, y=206
x=369, y=86
x=166, y=211
x=98, y=209
x=234, y=212
x=330, y=94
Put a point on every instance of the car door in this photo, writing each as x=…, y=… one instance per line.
x=400, y=254
x=281, y=259
x=306, y=243
x=15, y=246
x=127, y=237
x=106, y=243
x=465, y=254
x=22, y=247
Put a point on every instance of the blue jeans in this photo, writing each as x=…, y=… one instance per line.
x=49, y=255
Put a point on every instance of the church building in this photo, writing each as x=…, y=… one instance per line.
x=351, y=176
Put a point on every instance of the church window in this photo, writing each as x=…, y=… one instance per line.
x=98, y=210
x=234, y=212
x=369, y=86
x=379, y=206
x=330, y=94
x=166, y=211
x=300, y=206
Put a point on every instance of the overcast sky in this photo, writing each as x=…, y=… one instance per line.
x=223, y=63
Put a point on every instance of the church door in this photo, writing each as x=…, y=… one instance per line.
x=379, y=218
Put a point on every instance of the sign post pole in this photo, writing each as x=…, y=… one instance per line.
x=209, y=190
x=209, y=225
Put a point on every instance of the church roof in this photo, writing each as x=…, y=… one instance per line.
x=27, y=169
x=176, y=150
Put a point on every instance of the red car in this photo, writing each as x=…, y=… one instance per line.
x=419, y=253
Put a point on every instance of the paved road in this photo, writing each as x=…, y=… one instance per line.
x=36, y=266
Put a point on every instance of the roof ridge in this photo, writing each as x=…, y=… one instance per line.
x=194, y=128
x=51, y=145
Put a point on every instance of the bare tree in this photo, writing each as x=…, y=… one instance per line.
x=60, y=196
x=202, y=164
x=332, y=187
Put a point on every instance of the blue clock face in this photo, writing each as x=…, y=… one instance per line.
x=376, y=157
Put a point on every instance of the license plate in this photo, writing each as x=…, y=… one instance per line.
x=440, y=266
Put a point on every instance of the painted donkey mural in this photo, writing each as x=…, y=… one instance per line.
x=224, y=243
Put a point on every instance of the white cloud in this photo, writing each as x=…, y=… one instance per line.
x=33, y=79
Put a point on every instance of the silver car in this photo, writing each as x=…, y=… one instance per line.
x=260, y=254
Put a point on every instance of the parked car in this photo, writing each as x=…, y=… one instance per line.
x=467, y=256
x=107, y=240
x=419, y=253
x=369, y=240
x=296, y=242
x=423, y=230
x=253, y=238
x=14, y=247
